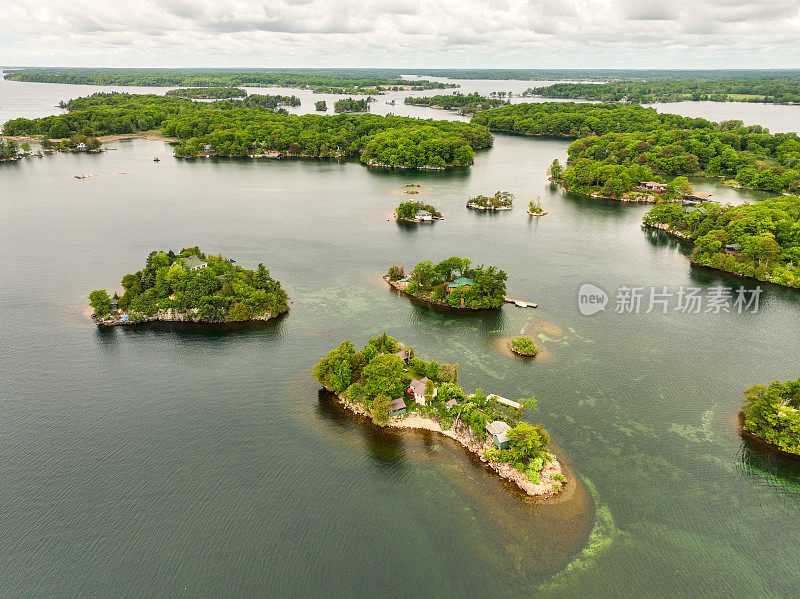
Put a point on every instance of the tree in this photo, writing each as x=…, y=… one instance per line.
x=321, y=106
x=380, y=409
x=680, y=186
x=384, y=374
x=99, y=300
x=555, y=171
x=335, y=371
x=526, y=441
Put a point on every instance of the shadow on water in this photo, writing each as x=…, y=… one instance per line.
x=768, y=463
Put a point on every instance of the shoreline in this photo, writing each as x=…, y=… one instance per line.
x=168, y=316
x=461, y=434
x=761, y=442
x=393, y=285
x=664, y=228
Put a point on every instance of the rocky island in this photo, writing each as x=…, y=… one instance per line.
x=391, y=385
x=191, y=287
x=452, y=283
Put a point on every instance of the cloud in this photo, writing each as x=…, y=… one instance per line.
x=444, y=33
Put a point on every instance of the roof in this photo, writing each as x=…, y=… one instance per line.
x=460, y=281
x=506, y=402
x=402, y=354
x=193, y=261
x=397, y=404
x=654, y=184
x=451, y=403
x=406, y=279
x=418, y=385
x=502, y=438
x=699, y=194
x=498, y=427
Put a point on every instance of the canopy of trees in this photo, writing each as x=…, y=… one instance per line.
x=501, y=199
x=232, y=128
x=524, y=346
x=220, y=291
x=8, y=149
x=465, y=103
x=760, y=240
x=773, y=413
x=207, y=93
x=351, y=105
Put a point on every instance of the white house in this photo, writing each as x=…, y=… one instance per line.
x=194, y=263
x=417, y=389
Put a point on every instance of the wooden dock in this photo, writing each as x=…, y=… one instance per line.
x=520, y=303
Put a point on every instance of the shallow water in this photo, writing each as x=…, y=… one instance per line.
x=169, y=459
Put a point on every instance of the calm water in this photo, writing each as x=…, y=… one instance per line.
x=174, y=461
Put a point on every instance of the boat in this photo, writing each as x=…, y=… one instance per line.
x=521, y=304
x=156, y=159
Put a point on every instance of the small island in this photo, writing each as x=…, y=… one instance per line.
x=523, y=346
x=771, y=414
x=501, y=200
x=417, y=212
x=191, y=287
x=452, y=283
x=464, y=103
x=207, y=93
x=320, y=106
x=391, y=385
x=351, y=105
x=535, y=208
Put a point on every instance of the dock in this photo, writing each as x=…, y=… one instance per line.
x=520, y=303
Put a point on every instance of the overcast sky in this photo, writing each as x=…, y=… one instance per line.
x=396, y=33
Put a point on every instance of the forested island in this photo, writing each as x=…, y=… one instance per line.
x=207, y=93
x=417, y=212
x=773, y=91
x=394, y=387
x=501, y=200
x=523, y=346
x=452, y=283
x=232, y=128
x=464, y=103
x=759, y=241
x=772, y=414
x=191, y=287
x=351, y=105
x=334, y=81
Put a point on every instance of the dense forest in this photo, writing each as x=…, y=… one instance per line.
x=344, y=81
x=231, y=128
x=640, y=92
x=465, y=103
x=207, y=93
x=374, y=376
x=609, y=74
x=455, y=282
x=199, y=286
x=760, y=240
x=772, y=413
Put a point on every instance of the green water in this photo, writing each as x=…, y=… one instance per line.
x=176, y=461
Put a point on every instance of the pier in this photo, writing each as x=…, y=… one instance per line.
x=520, y=303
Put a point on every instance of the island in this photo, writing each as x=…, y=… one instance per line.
x=771, y=414
x=389, y=384
x=232, y=128
x=535, y=208
x=757, y=241
x=501, y=200
x=321, y=106
x=207, y=93
x=351, y=105
x=417, y=212
x=465, y=104
x=452, y=283
x=523, y=346
x=191, y=287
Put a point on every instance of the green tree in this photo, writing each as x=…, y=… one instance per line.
x=555, y=171
x=99, y=301
x=384, y=374
x=380, y=409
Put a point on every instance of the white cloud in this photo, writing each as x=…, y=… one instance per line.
x=444, y=33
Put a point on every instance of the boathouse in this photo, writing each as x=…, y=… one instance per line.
x=397, y=407
x=497, y=431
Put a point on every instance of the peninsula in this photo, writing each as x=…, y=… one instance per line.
x=192, y=287
x=391, y=385
x=452, y=283
x=771, y=414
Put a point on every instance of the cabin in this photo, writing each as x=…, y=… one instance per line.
x=506, y=402
x=460, y=282
x=417, y=390
x=403, y=354
x=697, y=197
x=404, y=282
x=194, y=263
x=653, y=186
x=497, y=431
x=397, y=407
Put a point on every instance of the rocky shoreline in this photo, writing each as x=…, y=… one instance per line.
x=460, y=432
x=664, y=228
x=173, y=316
x=427, y=300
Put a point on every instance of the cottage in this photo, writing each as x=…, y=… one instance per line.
x=404, y=282
x=497, y=431
x=506, y=402
x=194, y=263
x=417, y=389
x=460, y=282
x=653, y=186
x=397, y=407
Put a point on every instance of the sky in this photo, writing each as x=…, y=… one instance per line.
x=402, y=33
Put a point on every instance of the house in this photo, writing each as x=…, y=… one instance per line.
x=81, y=147
x=404, y=282
x=208, y=149
x=733, y=247
x=194, y=263
x=417, y=389
x=423, y=215
x=460, y=282
x=697, y=197
x=653, y=186
x=506, y=402
x=403, y=354
x=397, y=407
x=497, y=431
x=451, y=404
x=113, y=304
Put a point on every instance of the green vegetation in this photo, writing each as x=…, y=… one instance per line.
x=207, y=93
x=9, y=149
x=760, y=241
x=231, y=128
x=772, y=413
x=271, y=102
x=351, y=105
x=501, y=200
x=535, y=207
x=613, y=74
x=729, y=90
x=456, y=283
x=466, y=104
x=524, y=346
x=320, y=106
x=197, y=287
x=408, y=210
x=338, y=81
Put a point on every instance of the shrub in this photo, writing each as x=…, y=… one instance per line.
x=524, y=346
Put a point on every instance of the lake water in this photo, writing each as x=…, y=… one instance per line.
x=204, y=462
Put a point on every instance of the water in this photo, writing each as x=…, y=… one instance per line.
x=170, y=460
